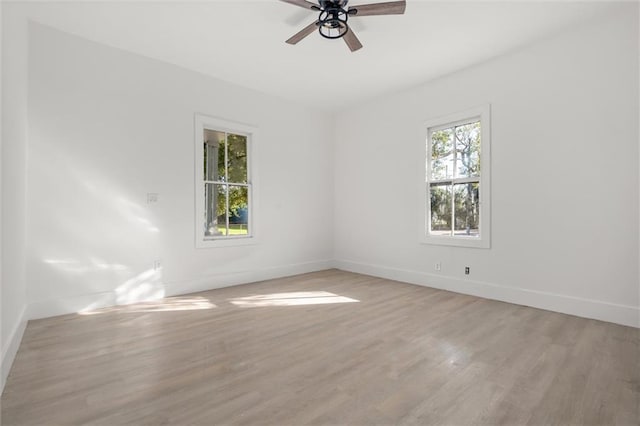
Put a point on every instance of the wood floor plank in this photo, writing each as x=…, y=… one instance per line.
x=324, y=348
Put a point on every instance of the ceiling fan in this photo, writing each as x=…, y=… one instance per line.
x=334, y=14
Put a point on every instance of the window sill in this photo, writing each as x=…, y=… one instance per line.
x=457, y=241
x=226, y=242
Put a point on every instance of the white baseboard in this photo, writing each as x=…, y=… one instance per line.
x=244, y=277
x=10, y=351
x=69, y=305
x=586, y=308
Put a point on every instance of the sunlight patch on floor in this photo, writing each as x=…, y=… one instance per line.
x=291, y=299
x=169, y=304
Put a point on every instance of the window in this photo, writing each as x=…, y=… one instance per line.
x=224, y=201
x=457, y=190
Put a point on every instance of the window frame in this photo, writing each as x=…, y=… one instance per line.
x=482, y=114
x=204, y=122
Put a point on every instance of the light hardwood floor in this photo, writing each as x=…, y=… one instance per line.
x=324, y=348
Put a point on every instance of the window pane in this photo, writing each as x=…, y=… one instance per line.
x=440, y=209
x=442, y=154
x=237, y=158
x=215, y=197
x=467, y=202
x=214, y=145
x=468, y=150
x=238, y=210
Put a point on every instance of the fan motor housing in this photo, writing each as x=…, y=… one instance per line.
x=332, y=22
x=334, y=14
x=324, y=4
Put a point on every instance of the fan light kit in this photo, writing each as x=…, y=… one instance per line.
x=334, y=14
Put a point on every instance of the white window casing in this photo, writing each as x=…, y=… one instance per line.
x=454, y=121
x=204, y=123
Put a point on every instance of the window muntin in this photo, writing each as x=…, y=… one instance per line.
x=224, y=204
x=225, y=182
x=456, y=194
x=455, y=180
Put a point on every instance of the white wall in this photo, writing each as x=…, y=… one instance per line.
x=564, y=176
x=14, y=185
x=106, y=127
x=2, y=377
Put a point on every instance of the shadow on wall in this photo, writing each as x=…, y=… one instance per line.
x=146, y=286
x=89, y=237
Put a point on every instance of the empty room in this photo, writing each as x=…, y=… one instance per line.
x=323, y=212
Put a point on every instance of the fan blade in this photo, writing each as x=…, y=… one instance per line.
x=303, y=3
x=351, y=40
x=303, y=33
x=388, y=8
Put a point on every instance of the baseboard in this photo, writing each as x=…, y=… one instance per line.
x=604, y=311
x=213, y=282
x=10, y=351
x=586, y=308
x=69, y=305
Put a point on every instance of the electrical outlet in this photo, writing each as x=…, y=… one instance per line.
x=157, y=264
x=438, y=266
x=466, y=270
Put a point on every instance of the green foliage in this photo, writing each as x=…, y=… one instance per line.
x=236, y=159
x=238, y=200
x=225, y=166
x=237, y=173
x=467, y=207
x=441, y=152
x=225, y=162
x=440, y=207
x=457, y=146
x=468, y=149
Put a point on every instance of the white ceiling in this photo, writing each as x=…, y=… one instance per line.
x=242, y=41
